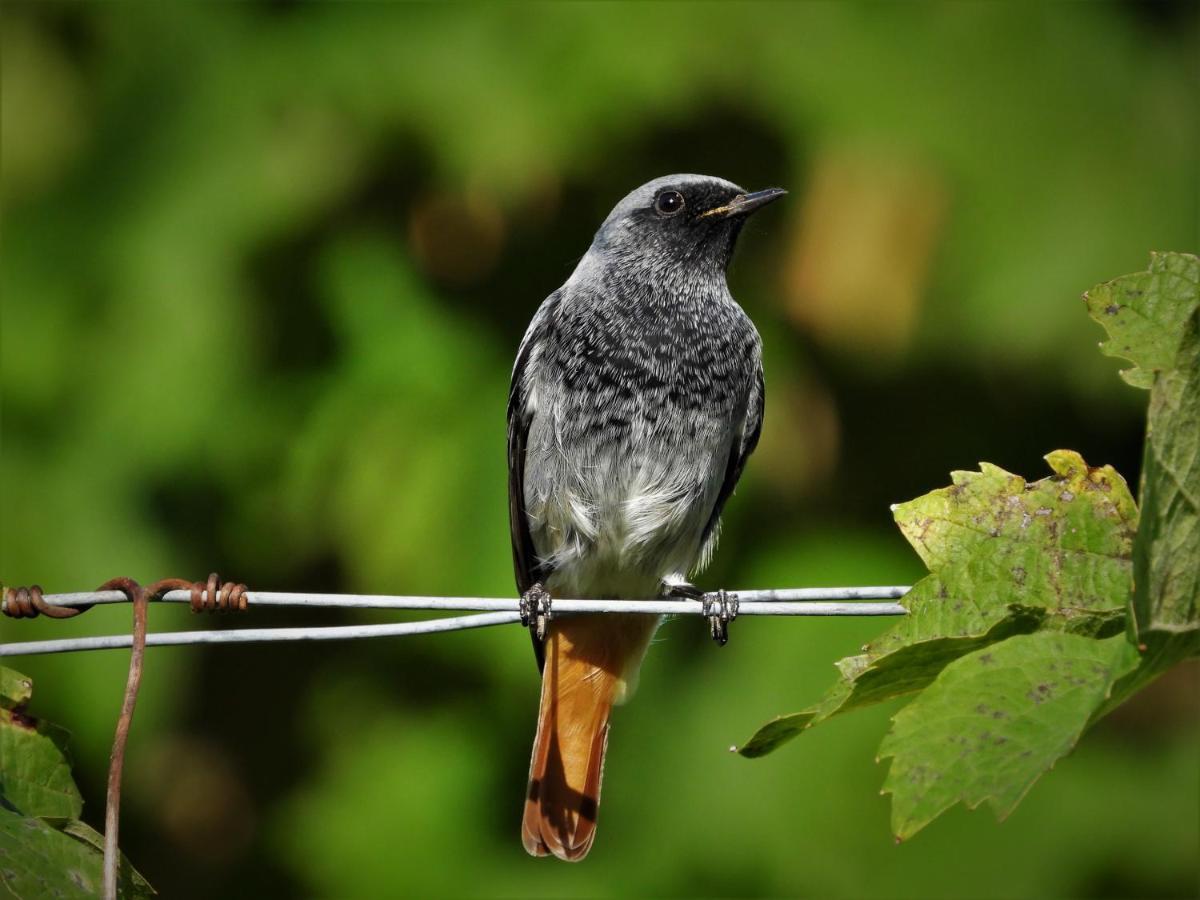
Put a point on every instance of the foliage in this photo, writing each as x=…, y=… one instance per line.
x=1016, y=640
x=1153, y=318
x=1006, y=557
x=995, y=720
x=45, y=850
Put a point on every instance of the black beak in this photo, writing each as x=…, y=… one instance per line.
x=744, y=204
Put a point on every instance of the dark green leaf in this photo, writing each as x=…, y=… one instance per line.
x=35, y=774
x=39, y=859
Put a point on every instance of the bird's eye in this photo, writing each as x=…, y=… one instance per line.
x=668, y=203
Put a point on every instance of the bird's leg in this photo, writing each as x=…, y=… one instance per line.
x=720, y=607
x=536, y=611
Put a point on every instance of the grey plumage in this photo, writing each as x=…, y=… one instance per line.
x=636, y=398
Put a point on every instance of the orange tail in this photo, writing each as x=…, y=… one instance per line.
x=589, y=660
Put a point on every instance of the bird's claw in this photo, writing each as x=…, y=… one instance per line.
x=721, y=608
x=536, y=611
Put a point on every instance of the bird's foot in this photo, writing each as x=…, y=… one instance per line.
x=721, y=607
x=536, y=611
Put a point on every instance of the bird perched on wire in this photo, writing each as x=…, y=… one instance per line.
x=636, y=398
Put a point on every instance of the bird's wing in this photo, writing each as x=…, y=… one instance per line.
x=528, y=568
x=739, y=452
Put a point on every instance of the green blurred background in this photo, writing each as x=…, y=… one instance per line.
x=264, y=272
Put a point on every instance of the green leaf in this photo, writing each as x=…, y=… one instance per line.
x=1153, y=318
x=15, y=688
x=35, y=774
x=777, y=732
x=1167, y=555
x=1046, y=573
x=1145, y=313
x=40, y=860
x=45, y=850
x=1007, y=557
x=994, y=721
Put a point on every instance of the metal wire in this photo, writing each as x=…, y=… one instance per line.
x=845, y=601
x=401, y=601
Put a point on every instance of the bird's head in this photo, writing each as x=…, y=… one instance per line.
x=690, y=220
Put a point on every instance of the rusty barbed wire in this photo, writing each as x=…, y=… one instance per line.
x=139, y=597
x=826, y=601
x=211, y=595
x=30, y=602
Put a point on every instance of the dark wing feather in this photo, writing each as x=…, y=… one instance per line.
x=739, y=452
x=528, y=568
x=525, y=563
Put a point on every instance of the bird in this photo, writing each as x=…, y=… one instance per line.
x=636, y=398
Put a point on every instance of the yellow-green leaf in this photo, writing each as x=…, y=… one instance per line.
x=1006, y=557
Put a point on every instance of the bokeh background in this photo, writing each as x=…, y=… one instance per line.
x=264, y=272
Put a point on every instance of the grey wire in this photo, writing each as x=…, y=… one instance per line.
x=253, y=635
x=400, y=601
x=501, y=611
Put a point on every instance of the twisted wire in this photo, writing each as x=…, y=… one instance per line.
x=30, y=602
